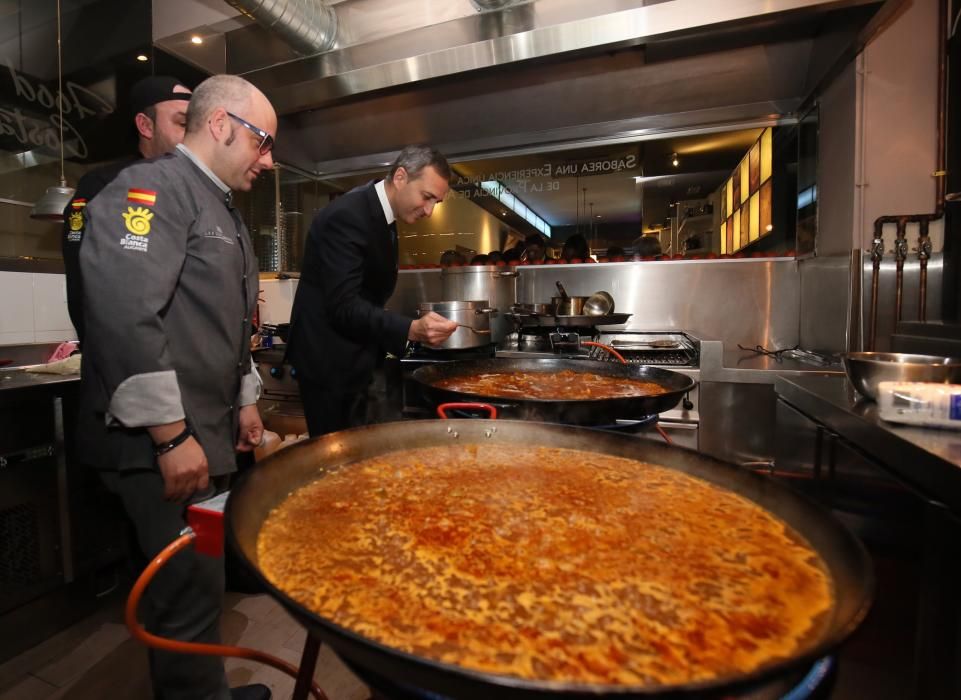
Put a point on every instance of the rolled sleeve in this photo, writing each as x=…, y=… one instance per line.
x=145, y=400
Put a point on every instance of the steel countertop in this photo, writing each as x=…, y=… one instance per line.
x=926, y=459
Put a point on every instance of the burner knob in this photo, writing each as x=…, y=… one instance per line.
x=293, y=373
x=276, y=372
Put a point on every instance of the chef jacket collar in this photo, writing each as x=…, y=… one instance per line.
x=228, y=195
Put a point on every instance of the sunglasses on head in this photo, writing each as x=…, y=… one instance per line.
x=266, y=140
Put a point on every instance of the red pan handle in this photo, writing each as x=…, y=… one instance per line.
x=444, y=407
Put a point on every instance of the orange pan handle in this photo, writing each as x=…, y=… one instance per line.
x=444, y=407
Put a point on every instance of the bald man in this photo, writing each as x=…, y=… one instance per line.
x=168, y=387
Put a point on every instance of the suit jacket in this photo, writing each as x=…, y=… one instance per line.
x=339, y=330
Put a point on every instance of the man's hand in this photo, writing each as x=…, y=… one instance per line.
x=184, y=468
x=431, y=329
x=251, y=431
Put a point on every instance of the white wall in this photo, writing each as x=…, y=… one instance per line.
x=33, y=308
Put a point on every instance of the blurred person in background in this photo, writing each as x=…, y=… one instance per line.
x=615, y=251
x=534, y=249
x=575, y=248
x=647, y=247
x=452, y=257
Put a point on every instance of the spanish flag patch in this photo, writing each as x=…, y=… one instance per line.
x=78, y=203
x=148, y=197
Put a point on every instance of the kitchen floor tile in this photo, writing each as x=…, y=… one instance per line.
x=30, y=688
x=256, y=607
x=65, y=670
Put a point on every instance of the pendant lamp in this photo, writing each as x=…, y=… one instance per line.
x=51, y=205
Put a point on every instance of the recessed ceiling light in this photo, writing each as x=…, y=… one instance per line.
x=142, y=57
x=196, y=39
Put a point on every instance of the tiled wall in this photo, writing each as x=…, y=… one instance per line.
x=33, y=308
x=276, y=299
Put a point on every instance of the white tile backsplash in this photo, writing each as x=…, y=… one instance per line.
x=33, y=308
x=16, y=338
x=278, y=299
x=16, y=303
x=50, y=303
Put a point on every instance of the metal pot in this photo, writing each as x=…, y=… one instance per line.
x=529, y=309
x=474, y=318
x=568, y=306
x=496, y=284
x=261, y=489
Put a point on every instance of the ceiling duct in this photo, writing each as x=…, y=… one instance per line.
x=309, y=26
x=485, y=5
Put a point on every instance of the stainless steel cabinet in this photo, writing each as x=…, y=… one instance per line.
x=912, y=637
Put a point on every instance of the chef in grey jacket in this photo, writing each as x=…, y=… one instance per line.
x=169, y=389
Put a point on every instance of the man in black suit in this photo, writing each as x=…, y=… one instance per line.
x=339, y=329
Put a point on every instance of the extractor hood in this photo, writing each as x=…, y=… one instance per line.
x=545, y=71
x=530, y=31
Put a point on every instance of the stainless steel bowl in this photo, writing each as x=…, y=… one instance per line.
x=599, y=304
x=868, y=369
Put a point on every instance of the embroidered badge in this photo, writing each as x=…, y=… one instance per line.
x=138, y=220
x=138, y=196
x=75, y=220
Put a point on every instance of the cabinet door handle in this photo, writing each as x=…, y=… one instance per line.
x=677, y=425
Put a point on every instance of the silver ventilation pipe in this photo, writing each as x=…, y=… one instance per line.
x=485, y=5
x=309, y=26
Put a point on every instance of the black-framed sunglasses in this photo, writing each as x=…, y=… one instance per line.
x=266, y=140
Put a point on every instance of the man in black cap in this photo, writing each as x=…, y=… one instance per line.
x=159, y=107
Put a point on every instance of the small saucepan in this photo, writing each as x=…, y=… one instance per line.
x=566, y=305
x=472, y=317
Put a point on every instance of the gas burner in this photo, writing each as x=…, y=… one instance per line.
x=666, y=348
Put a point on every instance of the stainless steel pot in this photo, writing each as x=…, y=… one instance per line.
x=566, y=305
x=496, y=284
x=474, y=318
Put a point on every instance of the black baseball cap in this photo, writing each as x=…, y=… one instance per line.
x=153, y=89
